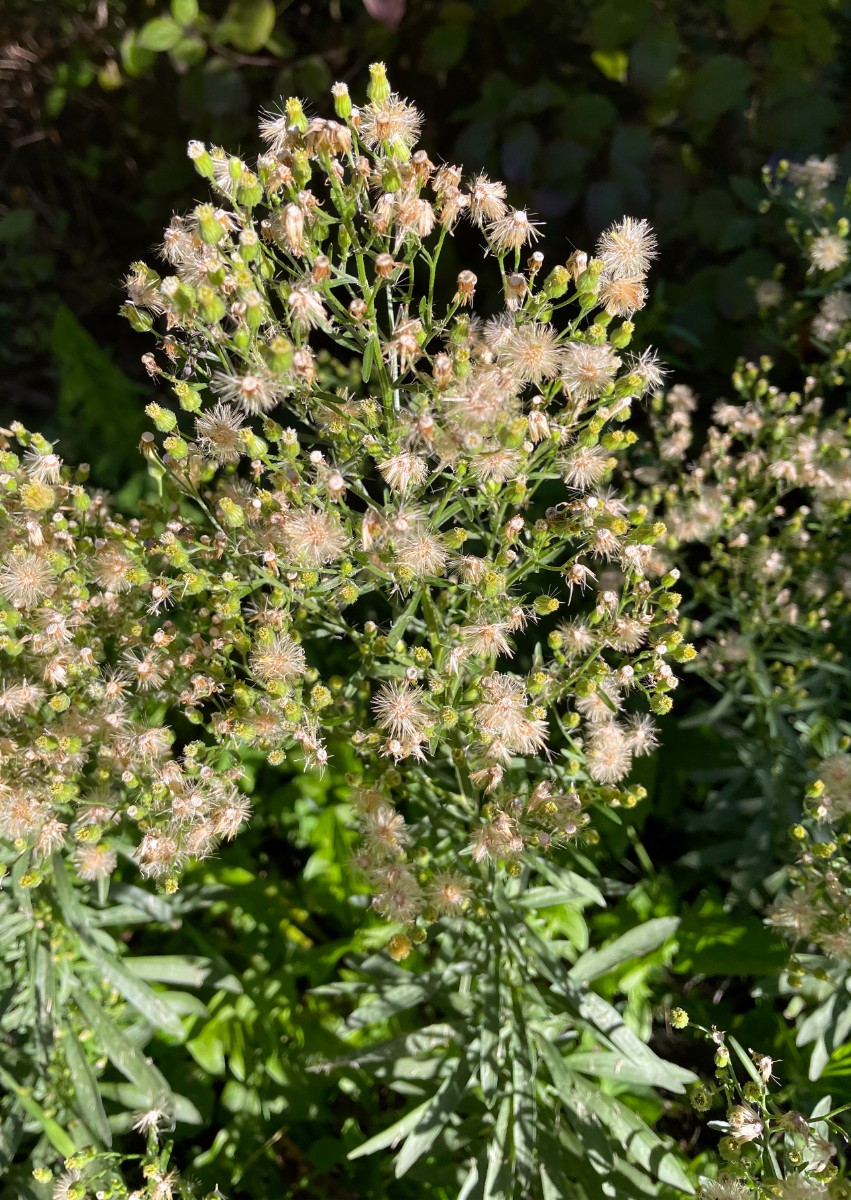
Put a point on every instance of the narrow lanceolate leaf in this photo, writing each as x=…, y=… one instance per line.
x=644, y=939
x=87, y=1101
x=434, y=1118
x=393, y=1135
x=144, y=999
x=611, y=1027
x=589, y=1103
x=640, y=1143
x=53, y=1131
x=11, y=1132
x=121, y=1052
x=187, y=970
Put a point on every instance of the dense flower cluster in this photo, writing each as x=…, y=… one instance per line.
x=445, y=515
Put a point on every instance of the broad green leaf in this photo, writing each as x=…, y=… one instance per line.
x=635, y=943
x=189, y=51
x=719, y=85
x=135, y=60
x=86, y=1095
x=121, y=1052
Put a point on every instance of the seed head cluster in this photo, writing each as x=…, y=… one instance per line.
x=407, y=553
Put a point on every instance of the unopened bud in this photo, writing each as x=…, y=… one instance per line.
x=378, y=88
x=200, y=158
x=342, y=101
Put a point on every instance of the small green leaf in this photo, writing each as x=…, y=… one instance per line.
x=189, y=51
x=159, y=34
x=185, y=12
x=208, y=1048
x=612, y=63
x=248, y=24
x=366, y=365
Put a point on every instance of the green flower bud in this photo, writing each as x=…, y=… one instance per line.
x=210, y=229
x=140, y=320
x=250, y=190
x=621, y=337
x=164, y=420
x=176, y=447
x=210, y=305
x=278, y=354
x=295, y=114
x=200, y=158
x=556, y=283
x=188, y=399
x=342, y=101
x=378, y=88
